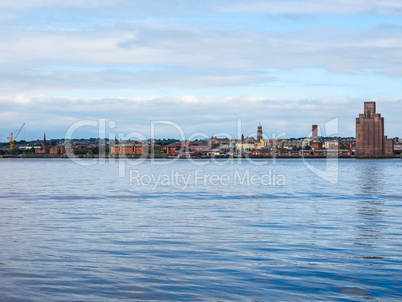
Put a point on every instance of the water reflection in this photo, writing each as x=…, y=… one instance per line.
x=370, y=179
x=370, y=186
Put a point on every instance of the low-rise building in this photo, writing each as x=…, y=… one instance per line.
x=261, y=144
x=316, y=145
x=223, y=143
x=198, y=145
x=57, y=150
x=331, y=144
x=123, y=149
x=256, y=153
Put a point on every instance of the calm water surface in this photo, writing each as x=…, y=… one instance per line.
x=82, y=233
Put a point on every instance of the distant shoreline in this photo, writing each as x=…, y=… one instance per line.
x=63, y=156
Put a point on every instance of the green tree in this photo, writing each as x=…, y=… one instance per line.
x=95, y=150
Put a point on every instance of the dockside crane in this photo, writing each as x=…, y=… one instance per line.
x=12, y=138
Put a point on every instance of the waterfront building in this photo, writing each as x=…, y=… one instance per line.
x=127, y=149
x=57, y=150
x=316, y=145
x=198, y=145
x=291, y=144
x=256, y=153
x=332, y=144
x=245, y=145
x=370, y=139
x=44, y=149
x=223, y=143
x=176, y=146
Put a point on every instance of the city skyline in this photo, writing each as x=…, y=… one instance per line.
x=370, y=141
x=201, y=66
x=162, y=125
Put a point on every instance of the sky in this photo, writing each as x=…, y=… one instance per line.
x=206, y=66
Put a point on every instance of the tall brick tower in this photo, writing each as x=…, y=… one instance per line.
x=314, y=132
x=259, y=132
x=370, y=139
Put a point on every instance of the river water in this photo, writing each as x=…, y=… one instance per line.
x=268, y=230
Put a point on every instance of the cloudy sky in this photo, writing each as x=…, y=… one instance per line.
x=200, y=64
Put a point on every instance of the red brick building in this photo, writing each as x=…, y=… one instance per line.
x=316, y=145
x=256, y=153
x=57, y=150
x=42, y=150
x=370, y=139
x=136, y=149
x=176, y=147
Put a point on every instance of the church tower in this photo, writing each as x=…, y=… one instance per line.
x=259, y=132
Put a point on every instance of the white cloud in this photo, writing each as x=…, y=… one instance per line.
x=316, y=7
x=180, y=7
x=190, y=99
x=16, y=98
x=192, y=48
x=175, y=56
